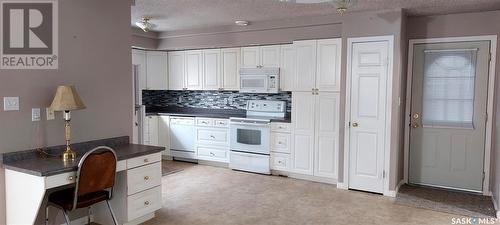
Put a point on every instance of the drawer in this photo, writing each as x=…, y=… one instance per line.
x=143, y=178
x=212, y=136
x=281, y=127
x=280, y=142
x=213, y=154
x=143, y=160
x=60, y=180
x=221, y=123
x=280, y=162
x=144, y=203
x=206, y=122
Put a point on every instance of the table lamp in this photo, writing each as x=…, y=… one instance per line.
x=67, y=100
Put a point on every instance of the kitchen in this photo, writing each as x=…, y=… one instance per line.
x=213, y=106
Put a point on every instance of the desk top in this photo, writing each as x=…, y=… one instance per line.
x=52, y=165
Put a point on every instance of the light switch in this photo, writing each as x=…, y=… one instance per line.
x=10, y=103
x=50, y=113
x=35, y=114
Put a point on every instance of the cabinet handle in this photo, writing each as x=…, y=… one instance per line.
x=279, y=142
x=146, y=178
x=212, y=154
x=146, y=203
x=71, y=178
x=211, y=136
x=355, y=124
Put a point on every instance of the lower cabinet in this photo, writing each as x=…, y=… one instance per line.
x=281, y=142
x=164, y=133
x=315, y=121
x=212, y=139
x=150, y=130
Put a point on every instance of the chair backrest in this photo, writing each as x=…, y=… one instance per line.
x=96, y=172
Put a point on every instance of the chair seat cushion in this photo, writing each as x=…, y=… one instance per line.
x=64, y=198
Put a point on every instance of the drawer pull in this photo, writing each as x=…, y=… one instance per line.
x=212, y=154
x=211, y=136
x=146, y=178
x=146, y=160
x=146, y=203
x=71, y=178
x=279, y=142
x=280, y=162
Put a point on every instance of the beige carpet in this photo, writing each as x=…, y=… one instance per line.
x=210, y=195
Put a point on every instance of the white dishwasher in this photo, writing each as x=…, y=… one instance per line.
x=182, y=137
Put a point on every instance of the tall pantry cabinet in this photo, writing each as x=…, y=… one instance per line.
x=316, y=102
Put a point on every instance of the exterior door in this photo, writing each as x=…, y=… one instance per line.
x=369, y=71
x=448, y=121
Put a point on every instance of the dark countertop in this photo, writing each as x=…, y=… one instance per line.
x=52, y=165
x=199, y=112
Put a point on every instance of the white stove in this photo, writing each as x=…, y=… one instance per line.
x=250, y=136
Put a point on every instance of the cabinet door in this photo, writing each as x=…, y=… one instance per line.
x=139, y=59
x=156, y=71
x=288, y=67
x=194, y=70
x=212, y=69
x=176, y=70
x=250, y=57
x=327, y=135
x=303, y=135
x=270, y=56
x=328, y=65
x=150, y=130
x=231, y=69
x=164, y=133
x=305, y=77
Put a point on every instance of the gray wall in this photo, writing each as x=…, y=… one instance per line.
x=143, y=40
x=94, y=47
x=468, y=24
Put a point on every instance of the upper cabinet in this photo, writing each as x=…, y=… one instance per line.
x=176, y=70
x=194, y=70
x=260, y=56
x=139, y=60
x=288, y=67
x=156, y=70
x=318, y=65
x=212, y=76
x=231, y=68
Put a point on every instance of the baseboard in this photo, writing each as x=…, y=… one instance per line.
x=167, y=157
x=81, y=221
x=312, y=178
x=213, y=163
x=393, y=193
x=342, y=186
x=495, y=203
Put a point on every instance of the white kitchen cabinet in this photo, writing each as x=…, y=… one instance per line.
x=231, y=69
x=212, y=76
x=317, y=65
x=315, y=120
x=326, y=134
x=164, y=133
x=328, y=64
x=150, y=132
x=139, y=59
x=212, y=139
x=288, y=67
x=176, y=70
x=281, y=146
x=303, y=105
x=194, y=70
x=156, y=70
x=305, y=75
x=260, y=56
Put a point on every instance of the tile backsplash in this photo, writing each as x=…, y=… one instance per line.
x=209, y=99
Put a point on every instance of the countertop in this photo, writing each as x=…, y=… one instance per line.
x=52, y=165
x=209, y=113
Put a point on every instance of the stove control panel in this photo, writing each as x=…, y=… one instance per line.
x=266, y=106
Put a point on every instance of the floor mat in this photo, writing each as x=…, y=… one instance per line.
x=170, y=167
x=466, y=204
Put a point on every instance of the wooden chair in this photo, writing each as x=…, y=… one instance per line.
x=95, y=179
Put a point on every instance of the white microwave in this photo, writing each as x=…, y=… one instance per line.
x=259, y=80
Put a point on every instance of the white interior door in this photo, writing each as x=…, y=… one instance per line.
x=369, y=72
x=448, y=123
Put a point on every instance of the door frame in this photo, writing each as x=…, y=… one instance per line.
x=489, y=107
x=388, y=109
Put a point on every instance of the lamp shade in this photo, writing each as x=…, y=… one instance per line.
x=67, y=99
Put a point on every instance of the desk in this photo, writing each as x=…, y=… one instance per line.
x=137, y=192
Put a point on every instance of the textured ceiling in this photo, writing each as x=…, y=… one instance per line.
x=169, y=15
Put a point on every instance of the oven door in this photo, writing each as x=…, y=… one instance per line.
x=254, y=83
x=250, y=137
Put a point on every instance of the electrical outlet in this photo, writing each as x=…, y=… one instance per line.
x=35, y=114
x=10, y=103
x=50, y=113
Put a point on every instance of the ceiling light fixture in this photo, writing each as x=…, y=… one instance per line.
x=241, y=23
x=144, y=23
x=341, y=5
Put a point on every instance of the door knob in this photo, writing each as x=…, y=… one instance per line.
x=355, y=124
x=415, y=125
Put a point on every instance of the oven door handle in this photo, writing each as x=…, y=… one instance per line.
x=250, y=124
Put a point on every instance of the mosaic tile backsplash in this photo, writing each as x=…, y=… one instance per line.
x=209, y=99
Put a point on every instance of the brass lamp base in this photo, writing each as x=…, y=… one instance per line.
x=68, y=155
